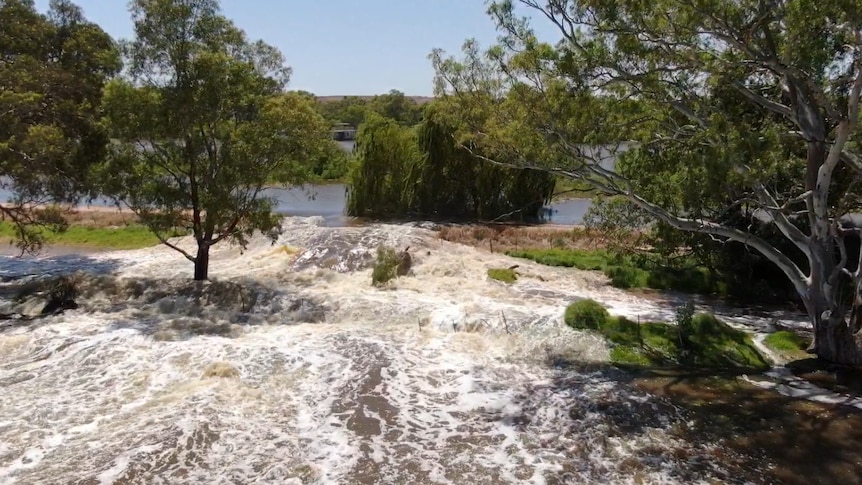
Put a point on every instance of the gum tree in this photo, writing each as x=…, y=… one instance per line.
x=202, y=125
x=52, y=70
x=751, y=104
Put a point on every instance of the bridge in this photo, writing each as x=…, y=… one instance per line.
x=343, y=132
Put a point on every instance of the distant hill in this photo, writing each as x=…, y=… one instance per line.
x=329, y=99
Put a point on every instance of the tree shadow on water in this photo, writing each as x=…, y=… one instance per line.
x=756, y=434
x=183, y=309
x=16, y=267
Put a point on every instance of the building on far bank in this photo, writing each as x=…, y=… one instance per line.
x=343, y=132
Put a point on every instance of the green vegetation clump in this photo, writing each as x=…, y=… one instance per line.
x=125, y=237
x=385, y=266
x=704, y=341
x=586, y=314
x=506, y=275
x=627, y=271
x=787, y=344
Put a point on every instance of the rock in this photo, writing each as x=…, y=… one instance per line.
x=405, y=262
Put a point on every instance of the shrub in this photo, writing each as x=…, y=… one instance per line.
x=385, y=266
x=626, y=277
x=506, y=275
x=701, y=340
x=586, y=314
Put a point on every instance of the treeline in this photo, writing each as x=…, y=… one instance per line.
x=354, y=110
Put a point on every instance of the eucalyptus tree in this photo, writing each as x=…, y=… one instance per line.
x=52, y=70
x=202, y=126
x=752, y=103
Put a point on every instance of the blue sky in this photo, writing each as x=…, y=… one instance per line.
x=343, y=46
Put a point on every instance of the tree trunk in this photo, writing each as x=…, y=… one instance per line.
x=202, y=261
x=836, y=342
x=835, y=339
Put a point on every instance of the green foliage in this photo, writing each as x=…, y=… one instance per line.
x=506, y=275
x=704, y=341
x=52, y=72
x=720, y=113
x=378, y=183
x=586, y=314
x=785, y=340
x=399, y=172
x=789, y=345
x=202, y=126
x=331, y=164
x=627, y=271
x=385, y=266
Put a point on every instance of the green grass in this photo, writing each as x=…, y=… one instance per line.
x=787, y=344
x=625, y=271
x=708, y=342
x=124, y=237
x=505, y=275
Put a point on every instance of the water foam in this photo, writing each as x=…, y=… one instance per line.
x=444, y=377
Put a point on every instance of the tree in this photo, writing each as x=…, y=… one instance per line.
x=52, y=71
x=396, y=106
x=400, y=170
x=751, y=104
x=202, y=126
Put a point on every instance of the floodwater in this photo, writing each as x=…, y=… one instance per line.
x=290, y=368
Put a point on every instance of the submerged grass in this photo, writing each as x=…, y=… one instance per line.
x=626, y=271
x=704, y=342
x=506, y=275
x=131, y=236
x=788, y=344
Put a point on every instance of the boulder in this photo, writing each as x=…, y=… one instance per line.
x=405, y=262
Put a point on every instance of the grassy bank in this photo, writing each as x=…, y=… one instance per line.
x=626, y=271
x=696, y=341
x=132, y=236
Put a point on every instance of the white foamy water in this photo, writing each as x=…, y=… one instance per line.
x=291, y=368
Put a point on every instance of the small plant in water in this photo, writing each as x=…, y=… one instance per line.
x=506, y=275
x=385, y=266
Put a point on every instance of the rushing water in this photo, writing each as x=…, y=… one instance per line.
x=289, y=368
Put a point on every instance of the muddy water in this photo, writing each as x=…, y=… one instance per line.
x=290, y=368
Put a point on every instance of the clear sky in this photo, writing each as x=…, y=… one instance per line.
x=358, y=47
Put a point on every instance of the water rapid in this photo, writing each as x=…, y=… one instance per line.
x=290, y=368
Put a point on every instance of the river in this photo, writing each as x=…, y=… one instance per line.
x=330, y=202
x=290, y=368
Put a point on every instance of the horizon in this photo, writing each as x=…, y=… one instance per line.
x=358, y=52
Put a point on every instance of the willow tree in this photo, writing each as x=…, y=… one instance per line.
x=424, y=172
x=748, y=103
x=52, y=70
x=202, y=127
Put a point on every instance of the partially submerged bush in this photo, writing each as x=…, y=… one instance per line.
x=390, y=265
x=506, y=275
x=627, y=271
x=700, y=341
x=586, y=314
x=385, y=266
